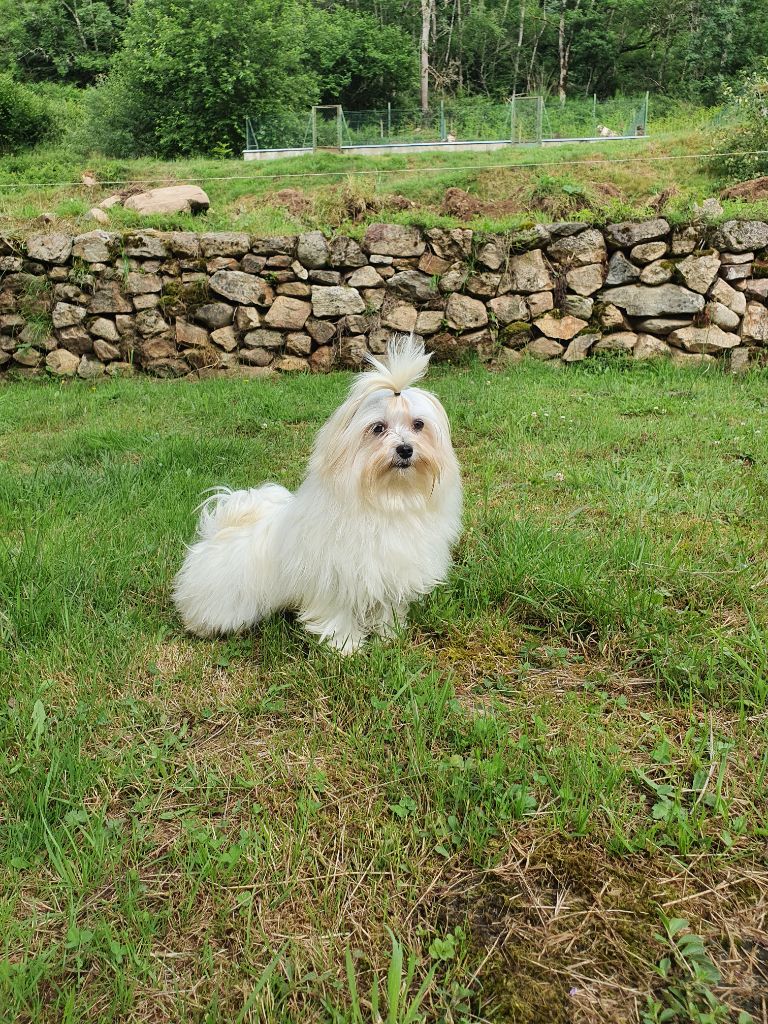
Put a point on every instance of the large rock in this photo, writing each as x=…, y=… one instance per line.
x=393, y=240
x=656, y=273
x=754, y=326
x=219, y=314
x=236, y=286
x=649, y=347
x=75, y=339
x=90, y=367
x=62, y=363
x=578, y=305
x=465, y=314
x=365, y=277
x=145, y=245
x=224, y=244
x=225, y=338
x=544, y=348
x=742, y=235
x=723, y=316
x=585, y=280
x=400, y=316
x=721, y=291
x=450, y=243
x=51, y=247
x=638, y=300
x=312, y=251
x=412, y=285
x=263, y=338
x=66, y=315
x=630, y=233
x=561, y=327
x=93, y=246
x=104, y=351
x=345, y=252
x=190, y=335
x=699, y=272
x=170, y=199
x=336, y=300
x=483, y=286
x=104, y=328
x=649, y=252
x=579, y=348
x=288, y=314
x=108, y=299
x=508, y=308
x=707, y=340
x=623, y=341
x=621, y=271
x=527, y=273
x=579, y=250
x=663, y=326
x=143, y=284
x=429, y=321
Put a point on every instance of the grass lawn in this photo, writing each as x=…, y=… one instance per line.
x=596, y=183
x=503, y=816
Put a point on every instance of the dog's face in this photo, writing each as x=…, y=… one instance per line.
x=389, y=449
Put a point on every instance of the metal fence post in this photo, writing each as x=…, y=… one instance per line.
x=512, y=120
x=442, y=121
x=389, y=120
x=539, y=119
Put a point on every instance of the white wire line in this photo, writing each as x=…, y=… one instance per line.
x=385, y=170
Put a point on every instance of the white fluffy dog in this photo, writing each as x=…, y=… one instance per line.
x=369, y=530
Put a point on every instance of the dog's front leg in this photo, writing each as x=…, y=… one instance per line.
x=389, y=619
x=338, y=628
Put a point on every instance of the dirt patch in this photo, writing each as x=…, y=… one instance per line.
x=748, y=191
x=291, y=199
x=460, y=204
x=565, y=931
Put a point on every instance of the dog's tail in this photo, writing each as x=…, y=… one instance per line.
x=406, y=362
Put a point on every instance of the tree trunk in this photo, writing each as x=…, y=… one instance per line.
x=426, y=24
x=520, y=33
x=564, y=49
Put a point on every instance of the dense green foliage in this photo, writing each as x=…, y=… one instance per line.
x=24, y=118
x=746, y=133
x=180, y=77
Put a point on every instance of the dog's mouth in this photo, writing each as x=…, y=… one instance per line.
x=402, y=463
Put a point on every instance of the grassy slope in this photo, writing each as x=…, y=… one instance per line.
x=568, y=741
x=339, y=196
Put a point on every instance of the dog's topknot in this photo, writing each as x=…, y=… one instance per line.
x=406, y=362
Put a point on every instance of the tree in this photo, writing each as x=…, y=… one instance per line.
x=358, y=62
x=190, y=71
x=61, y=40
x=427, y=13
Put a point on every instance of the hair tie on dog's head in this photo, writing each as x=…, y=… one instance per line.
x=397, y=394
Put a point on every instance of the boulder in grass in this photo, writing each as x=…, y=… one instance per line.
x=171, y=199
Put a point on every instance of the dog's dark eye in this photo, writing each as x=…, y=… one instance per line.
x=378, y=428
x=418, y=424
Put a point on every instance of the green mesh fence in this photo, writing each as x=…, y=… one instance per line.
x=524, y=120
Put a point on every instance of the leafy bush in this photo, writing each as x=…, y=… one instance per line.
x=744, y=129
x=191, y=70
x=25, y=119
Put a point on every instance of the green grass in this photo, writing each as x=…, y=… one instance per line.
x=640, y=178
x=495, y=818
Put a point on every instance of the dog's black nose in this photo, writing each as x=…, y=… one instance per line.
x=405, y=451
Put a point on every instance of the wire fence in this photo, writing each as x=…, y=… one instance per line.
x=523, y=119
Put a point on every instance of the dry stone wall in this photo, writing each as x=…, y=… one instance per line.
x=178, y=304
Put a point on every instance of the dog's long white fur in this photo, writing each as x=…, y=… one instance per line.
x=364, y=535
